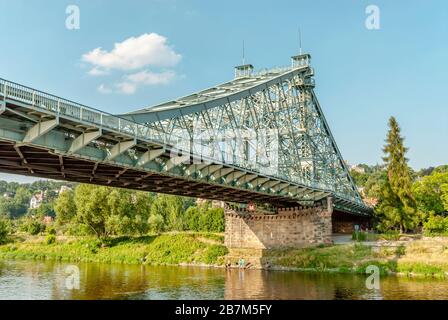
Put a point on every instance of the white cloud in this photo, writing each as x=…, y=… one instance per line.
x=104, y=89
x=149, y=49
x=97, y=72
x=144, y=78
x=151, y=78
x=132, y=82
x=126, y=87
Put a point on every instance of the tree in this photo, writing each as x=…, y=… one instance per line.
x=374, y=184
x=444, y=196
x=212, y=220
x=92, y=208
x=397, y=206
x=45, y=209
x=142, y=211
x=360, y=178
x=7, y=207
x=65, y=207
x=22, y=201
x=156, y=223
x=16, y=206
x=442, y=169
x=111, y=211
x=191, y=219
x=130, y=211
x=121, y=210
x=169, y=207
x=429, y=193
x=425, y=172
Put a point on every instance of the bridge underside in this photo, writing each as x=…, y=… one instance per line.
x=37, y=162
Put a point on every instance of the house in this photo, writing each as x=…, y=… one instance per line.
x=371, y=201
x=214, y=203
x=64, y=188
x=47, y=220
x=8, y=195
x=36, y=200
x=358, y=169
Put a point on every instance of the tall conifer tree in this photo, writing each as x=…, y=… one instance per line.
x=397, y=206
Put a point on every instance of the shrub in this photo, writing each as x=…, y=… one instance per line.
x=75, y=229
x=365, y=236
x=51, y=231
x=4, y=230
x=391, y=235
x=34, y=227
x=400, y=251
x=50, y=239
x=214, y=252
x=436, y=225
x=359, y=236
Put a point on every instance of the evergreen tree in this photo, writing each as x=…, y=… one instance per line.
x=397, y=206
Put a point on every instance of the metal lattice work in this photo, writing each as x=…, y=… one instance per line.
x=236, y=121
x=261, y=137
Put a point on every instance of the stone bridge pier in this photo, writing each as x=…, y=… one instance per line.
x=290, y=227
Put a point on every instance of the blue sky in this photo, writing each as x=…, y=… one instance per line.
x=363, y=76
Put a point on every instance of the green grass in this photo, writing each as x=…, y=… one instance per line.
x=341, y=258
x=366, y=236
x=419, y=268
x=175, y=248
x=416, y=259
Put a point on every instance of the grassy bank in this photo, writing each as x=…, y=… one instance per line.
x=419, y=257
x=176, y=248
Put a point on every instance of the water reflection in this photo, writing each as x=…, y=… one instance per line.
x=47, y=280
x=257, y=284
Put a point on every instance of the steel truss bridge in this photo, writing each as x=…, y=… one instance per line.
x=260, y=137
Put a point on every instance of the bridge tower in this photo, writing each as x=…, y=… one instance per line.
x=292, y=226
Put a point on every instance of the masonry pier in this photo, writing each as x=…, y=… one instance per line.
x=290, y=227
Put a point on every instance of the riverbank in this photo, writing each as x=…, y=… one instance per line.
x=422, y=257
x=164, y=249
x=427, y=256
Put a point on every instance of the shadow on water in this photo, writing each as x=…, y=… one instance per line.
x=47, y=280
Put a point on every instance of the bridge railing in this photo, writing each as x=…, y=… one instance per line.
x=61, y=106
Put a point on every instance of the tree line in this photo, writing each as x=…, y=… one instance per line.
x=105, y=211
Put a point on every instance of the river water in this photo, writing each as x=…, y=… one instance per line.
x=53, y=280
